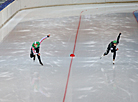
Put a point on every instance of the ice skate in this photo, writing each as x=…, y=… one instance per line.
x=101, y=57
x=41, y=63
x=113, y=62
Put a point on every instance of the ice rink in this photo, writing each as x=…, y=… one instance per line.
x=84, y=78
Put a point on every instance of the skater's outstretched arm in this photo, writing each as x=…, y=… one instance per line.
x=118, y=38
x=44, y=38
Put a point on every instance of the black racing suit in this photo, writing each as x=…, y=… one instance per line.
x=33, y=55
x=112, y=47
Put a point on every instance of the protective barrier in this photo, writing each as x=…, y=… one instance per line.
x=136, y=14
x=11, y=7
x=41, y=3
x=5, y=4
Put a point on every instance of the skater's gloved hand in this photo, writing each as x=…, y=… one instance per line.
x=35, y=53
x=117, y=49
x=39, y=54
x=119, y=33
x=48, y=35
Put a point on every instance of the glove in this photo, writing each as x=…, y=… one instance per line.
x=48, y=35
x=117, y=49
x=35, y=53
x=119, y=33
x=39, y=54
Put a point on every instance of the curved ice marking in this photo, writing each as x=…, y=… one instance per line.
x=63, y=42
x=82, y=96
x=4, y=100
x=43, y=93
x=94, y=90
x=91, y=33
x=87, y=29
x=101, y=82
x=24, y=30
x=69, y=29
x=102, y=69
x=21, y=51
x=92, y=58
x=128, y=18
x=132, y=80
x=127, y=22
x=64, y=21
x=91, y=76
x=91, y=24
x=5, y=74
x=2, y=60
x=39, y=20
x=94, y=16
x=87, y=65
x=87, y=16
x=128, y=40
x=89, y=61
x=48, y=53
x=128, y=26
x=85, y=89
x=9, y=78
x=90, y=42
x=95, y=28
x=15, y=59
x=129, y=55
x=45, y=88
x=22, y=43
x=31, y=25
x=124, y=90
x=91, y=65
x=7, y=95
x=115, y=23
x=56, y=51
x=15, y=43
x=23, y=37
x=90, y=46
x=56, y=62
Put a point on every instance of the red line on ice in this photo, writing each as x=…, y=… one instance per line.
x=67, y=80
x=77, y=34
x=72, y=59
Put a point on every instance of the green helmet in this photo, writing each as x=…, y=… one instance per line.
x=35, y=43
x=114, y=41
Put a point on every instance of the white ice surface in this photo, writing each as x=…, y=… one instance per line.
x=92, y=79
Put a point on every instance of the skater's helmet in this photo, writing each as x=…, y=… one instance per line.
x=115, y=42
x=36, y=44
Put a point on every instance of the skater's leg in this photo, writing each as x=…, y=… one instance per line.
x=107, y=51
x=32, y=55
x=39, y=59
x=114, y=56
x=34, y=58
